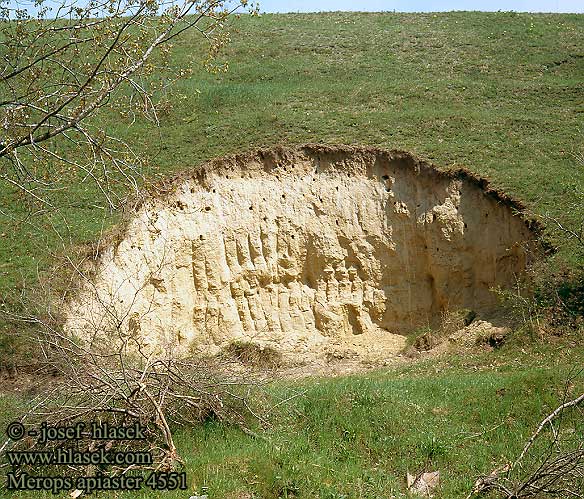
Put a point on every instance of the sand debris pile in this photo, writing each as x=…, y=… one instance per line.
x=304, y=250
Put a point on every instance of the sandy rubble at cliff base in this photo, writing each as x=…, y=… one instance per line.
x=309, y=251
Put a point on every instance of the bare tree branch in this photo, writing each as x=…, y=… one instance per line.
x=61, y=68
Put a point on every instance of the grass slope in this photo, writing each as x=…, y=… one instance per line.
x=500, y=93
x=357, y=436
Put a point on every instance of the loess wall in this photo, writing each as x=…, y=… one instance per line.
x=302, y=248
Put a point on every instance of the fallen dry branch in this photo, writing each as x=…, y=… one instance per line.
x=548, y=420
x=558, y=472
x=125, y=387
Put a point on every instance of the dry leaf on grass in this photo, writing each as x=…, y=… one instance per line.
x=424, y=483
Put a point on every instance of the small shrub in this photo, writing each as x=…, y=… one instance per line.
x=548, y=304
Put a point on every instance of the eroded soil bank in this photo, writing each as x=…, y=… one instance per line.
x=308, y=251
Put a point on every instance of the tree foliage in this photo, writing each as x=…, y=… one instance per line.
x=60, y=63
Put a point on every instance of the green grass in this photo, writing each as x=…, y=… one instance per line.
x=357, y=436
x=499, y=93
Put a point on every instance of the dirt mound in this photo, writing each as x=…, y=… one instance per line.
x=309, y=251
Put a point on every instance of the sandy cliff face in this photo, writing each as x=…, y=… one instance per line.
x=303, y=250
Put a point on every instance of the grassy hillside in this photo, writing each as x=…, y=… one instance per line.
x=357, y=436
x=499, y=93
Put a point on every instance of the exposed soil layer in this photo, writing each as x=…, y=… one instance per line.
x=314, y=251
